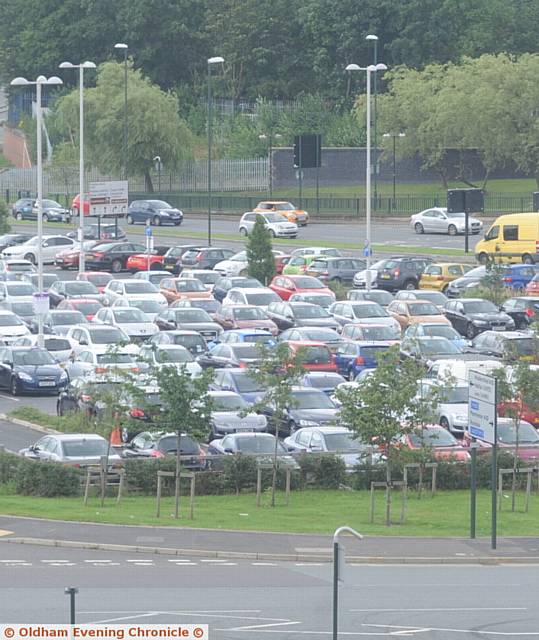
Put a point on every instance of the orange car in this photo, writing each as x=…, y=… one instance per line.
x=408, y=312
x=287, y=209
x=180, y=288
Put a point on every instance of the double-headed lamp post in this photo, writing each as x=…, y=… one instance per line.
x=394, y=136
x=368, y=251
x=270, y=137
x=39, y=82
x=211, y=62
x=371, y=38
x=80, y=67
x=121, y=46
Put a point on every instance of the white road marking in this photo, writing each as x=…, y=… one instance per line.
x=263, y=564
x=264, y=626
x=214, y=561
x=485, y=632
x=3, y=397
x=309, y=564
x=440, y=609
x=133, y=615
x=101, y=561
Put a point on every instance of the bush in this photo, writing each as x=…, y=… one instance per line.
x=322, y=471
x=9, y=464
x=46, y=479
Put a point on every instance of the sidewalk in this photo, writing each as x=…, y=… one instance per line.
x=264, y=546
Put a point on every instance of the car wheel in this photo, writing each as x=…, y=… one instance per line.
x=45, y=218
x=292, y=427
x=350, y=374
x=527, y=259
x=130, y=220
x=116, y=266
x=244, y=273
x=19, y=216
x=444, y=423
x=273, y=234
x=177, y=224
x=157, y=221
x=419, y=228
x=470, y=331
x=337, y=280
x=521, y=325
x=154, y=267
x=243, y=232
x=30, y=257
x=444, y=289
x=409, y=285
x=452, y=230
x=482, y=258
x=14, y=386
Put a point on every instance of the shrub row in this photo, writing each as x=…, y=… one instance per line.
x=31, y=478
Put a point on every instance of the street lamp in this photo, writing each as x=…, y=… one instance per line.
x=269, y=137
x=394, y=136
x=374, y=39
x=211, y=61
x=38, y=83
x=368, y=251
x=80, y=67
x=124, y=47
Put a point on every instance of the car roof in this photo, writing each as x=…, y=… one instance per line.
x=511, y=335
x=307, y=343
x=78, y=436
x=248, y=332
x=252, y=290
x=223, y=393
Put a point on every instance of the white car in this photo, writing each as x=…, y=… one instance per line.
x=151, y=308
x=364, y=312
x=17, y=291
x=237, y=265
x=133, y=322
x=92, y=363
x=59, y=347
x=51, y=245
x=208, y=277
x=275, y=223
x=169, y=355
x=99, y=338
x=330, y=252
x=11, y=327
x=439, y=220
x=133, y=290
x=259, y=297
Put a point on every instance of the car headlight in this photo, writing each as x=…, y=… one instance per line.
x=460, y=417
x=25, y=376
x=164, y=213
x=480, y=322
x=308, y=423
x=63, y=376
x=510, y=322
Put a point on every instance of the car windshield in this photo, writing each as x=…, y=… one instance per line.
x=326, y=381
x=423, y=309
x=164, y=355
x=99, y=279
x=9, y=320
x=507, y=433
x=372, y=352
x=129, y=316
x=308, y=283
x=59, y=318
x=320, y=299
x=341, y=442
x=23, y=309
x=371, y=310
x=140, y=286
x=434, y=346
x=89, y=308
x=50, y=204
x=106, y=336
x=80, y=287
x=435, y=297
x=441, y=331
x=246, y=383
x=305, y=312
x=56, y=344
x=378, y=333
x=22, y=267
x=455, y=395
x=85, y=448
x=316, y=355
x=155, y=278
x=20, y=289
x=321, y=335
x=262, y=299
x=258, y=338
x=189, y=285
x=114, y=358
x=256, y=444
x=228, y=403
x=32, y=357
x=194, y=343
x=160, y=204
x=479, y=306
x=381, y=297
x=206, y=278
x=311, y=400
x=146, y=306
x=249, y=313
x=239, y=257
x=191, y=315
x=48, y=280
x=169, y=444
x=284, y=206
x=245, y=350
x=210, y=306
x=274, y=217
x=477, y=272
x=433, y=438
x=247, y=283
x=522, y=346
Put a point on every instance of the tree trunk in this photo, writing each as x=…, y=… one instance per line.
x=274, y=470
x=388, y=492
x=515, y=464
x=443, y=178
x=148, y=181
x=177, y=479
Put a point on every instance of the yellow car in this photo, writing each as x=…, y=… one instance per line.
x=437, y=276
x=287, y=209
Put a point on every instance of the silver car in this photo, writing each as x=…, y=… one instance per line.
x=275, y=223
x=438, y=220
x=77, y=449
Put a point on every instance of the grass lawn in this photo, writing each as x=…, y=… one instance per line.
x=317, y=512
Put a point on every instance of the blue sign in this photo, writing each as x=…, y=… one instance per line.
x=149, y=232
x=477, y=432
x=474, y=405
x=367, y=252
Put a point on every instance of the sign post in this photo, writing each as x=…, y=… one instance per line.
x=149, y=245
x=483, y=423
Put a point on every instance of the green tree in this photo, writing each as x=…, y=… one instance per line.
x=5, y=226
x=277, y=371
x=259, y=253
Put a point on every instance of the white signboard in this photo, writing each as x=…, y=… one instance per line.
x=40, y=303
x=109, y=198
x=482, y=406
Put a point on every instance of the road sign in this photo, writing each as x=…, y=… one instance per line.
x=149, y=232
x=109, y=198
x=482, y=406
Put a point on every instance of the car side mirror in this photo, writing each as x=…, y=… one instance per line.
x=229, y=450
x=83, y=342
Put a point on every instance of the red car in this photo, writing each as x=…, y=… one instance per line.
x=532, y=288
x=285, y=286
x=145, y=261
x=281, y=262
x=86, y=306
x=244, y=317
x=316, y=356
x=443, y=444
x=75, y=205
x=506, y=409
x=528, y=438
x=69, y=258
x=99, y=279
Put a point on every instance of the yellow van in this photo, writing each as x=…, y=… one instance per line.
x=511, y=238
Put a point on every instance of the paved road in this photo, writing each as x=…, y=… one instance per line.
x=245, y=599
x=14, y=437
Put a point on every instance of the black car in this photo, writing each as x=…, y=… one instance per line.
x=524, y=310
x=160, y=445
x=100, y=232
x=156, y=212
x=470, y=316
x=309, y=408
x=189, y=318
x=12, y=239
x=112, y=256
x=172, y=258
x=470, y=279
x=205, y=257
x=191, y=340
x=82, y=394
x=300, y=314
x=224, y=284
x=510, y=345
x=427, y=349
x=65, y=289
x=235, y=355
x=401, y=273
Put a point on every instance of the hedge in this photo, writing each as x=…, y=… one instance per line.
x=45, y=479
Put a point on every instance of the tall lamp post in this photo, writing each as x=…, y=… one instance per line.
x=374, y=39
x=211, y=62
x=124, y=48
x=394, y=136
x=270, y=137
x=368, y=250
x=39, y=82
x=80, y=67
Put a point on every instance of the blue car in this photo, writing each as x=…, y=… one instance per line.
x=326, y=381
x=518, y=276
x=30, y=370
x=436, y=330
x=354, y=357
x=156, y=212
x=237, y=379
x=234, y=336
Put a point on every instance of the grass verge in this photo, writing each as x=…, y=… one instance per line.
x=316, y=512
